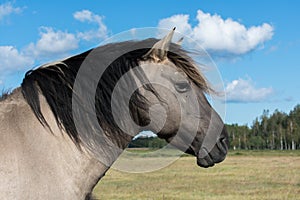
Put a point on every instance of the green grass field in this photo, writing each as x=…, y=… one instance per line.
x=243, y=175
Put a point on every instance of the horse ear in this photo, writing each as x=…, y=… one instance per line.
x=160, y=49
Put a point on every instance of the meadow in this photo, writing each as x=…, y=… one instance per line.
x=243, y=175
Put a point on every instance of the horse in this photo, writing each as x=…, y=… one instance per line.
x=67, y=123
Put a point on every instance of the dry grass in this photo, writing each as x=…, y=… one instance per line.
x=257, y=175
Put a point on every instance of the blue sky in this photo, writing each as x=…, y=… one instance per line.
x=255, y=44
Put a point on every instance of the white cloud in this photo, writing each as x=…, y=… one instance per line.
x=8, y=9
x=13, y=60
x=87, y=16
x=181, y=22
x=53, y=43
x=220, y=35
x=244, y=91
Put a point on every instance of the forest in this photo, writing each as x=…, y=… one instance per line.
x=275, y=131
x=278, y=130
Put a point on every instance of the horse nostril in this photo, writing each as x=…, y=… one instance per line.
x=222, y=146
x=224, y=138
x=225, y=143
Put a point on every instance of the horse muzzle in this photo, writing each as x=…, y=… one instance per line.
x=206, y=158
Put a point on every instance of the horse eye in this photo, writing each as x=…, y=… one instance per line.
x=182, y=86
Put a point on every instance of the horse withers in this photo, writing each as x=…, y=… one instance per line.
x=70, y=120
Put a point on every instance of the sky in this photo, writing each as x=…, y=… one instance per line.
x=254, y=44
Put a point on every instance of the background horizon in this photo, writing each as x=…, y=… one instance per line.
x=254, y=44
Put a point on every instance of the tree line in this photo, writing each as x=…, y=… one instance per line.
x=276, y=131
x=147, y=142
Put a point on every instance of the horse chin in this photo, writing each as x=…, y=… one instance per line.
x=208, y=160
x=205, y=162
x=216, y=155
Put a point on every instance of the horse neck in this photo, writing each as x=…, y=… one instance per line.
x=44, y=165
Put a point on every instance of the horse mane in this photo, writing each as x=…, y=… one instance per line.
x=55, y=82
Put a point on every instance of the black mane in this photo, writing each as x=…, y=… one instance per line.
x=55, y=82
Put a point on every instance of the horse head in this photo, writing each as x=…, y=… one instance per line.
x=178, y=110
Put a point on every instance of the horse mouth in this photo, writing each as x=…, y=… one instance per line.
x=216, y=155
